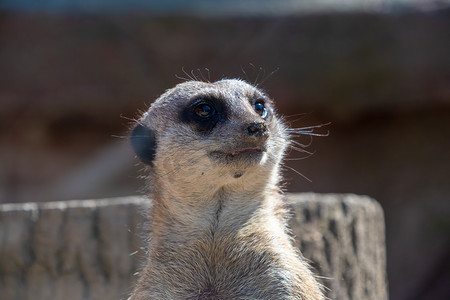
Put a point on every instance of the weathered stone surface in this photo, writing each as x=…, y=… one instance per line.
x=90, y=249
x=343, y=236
x=69, y=250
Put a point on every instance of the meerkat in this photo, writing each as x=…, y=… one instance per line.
x=218, y=220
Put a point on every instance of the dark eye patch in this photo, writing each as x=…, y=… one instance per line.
x=203, y=113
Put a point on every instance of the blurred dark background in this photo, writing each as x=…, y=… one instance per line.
x=73, y=72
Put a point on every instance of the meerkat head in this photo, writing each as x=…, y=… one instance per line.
x=219, y=132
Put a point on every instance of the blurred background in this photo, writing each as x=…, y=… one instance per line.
x=72, y=74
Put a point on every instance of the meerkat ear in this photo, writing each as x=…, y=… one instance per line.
x=143, y=142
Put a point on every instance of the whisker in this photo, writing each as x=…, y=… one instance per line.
x=245, y=73
x=301, y=144
x=297, y=115
x=131, y=119
x=181, y=78
x=193, y=75
x=209, y=74
x=201, y=75
x=297, y=158
x=186, y=73
x=254, y=73
x=308, y=130
x=301, y=150
x=312, y=133
x=311, y=127
x=257, y=76
x=297, y=172
x=298, y=119
x=269, y=75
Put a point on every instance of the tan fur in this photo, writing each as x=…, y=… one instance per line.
x=215, y=235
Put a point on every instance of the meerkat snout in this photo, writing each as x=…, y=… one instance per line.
x=257, y=129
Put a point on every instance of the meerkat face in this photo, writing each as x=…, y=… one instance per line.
x=221, y=131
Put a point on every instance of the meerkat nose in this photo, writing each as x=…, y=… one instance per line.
x=256, y=129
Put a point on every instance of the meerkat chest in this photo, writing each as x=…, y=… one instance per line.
x=222, y=267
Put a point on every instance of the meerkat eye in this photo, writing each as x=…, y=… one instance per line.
x=204, y=110
x=203, y=113
x=260, y=109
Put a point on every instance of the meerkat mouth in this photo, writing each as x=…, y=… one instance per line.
x=248, y=150
x=243, y=156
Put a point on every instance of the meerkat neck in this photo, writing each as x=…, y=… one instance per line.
x=225, y=211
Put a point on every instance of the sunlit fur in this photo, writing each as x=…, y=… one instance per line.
x=215, y=235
